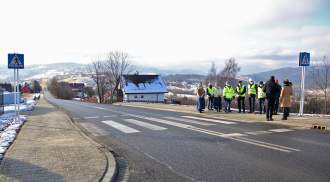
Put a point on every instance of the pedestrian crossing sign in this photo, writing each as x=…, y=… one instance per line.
x=304, y=59
x=15, y=61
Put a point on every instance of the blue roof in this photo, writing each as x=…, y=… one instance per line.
x=143, y=84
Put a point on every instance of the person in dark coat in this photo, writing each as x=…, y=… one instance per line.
x=270, y=89
x=277, y=97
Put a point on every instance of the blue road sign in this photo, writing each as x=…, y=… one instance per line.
x=15, y=61
x=304, y=59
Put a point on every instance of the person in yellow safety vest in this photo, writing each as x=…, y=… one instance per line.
x=210, y=92
x=261, y=97
x=241, y=90
x=252, y=91
x=229, y=95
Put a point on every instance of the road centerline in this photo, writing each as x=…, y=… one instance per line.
x=209, y=119
x=190, y=121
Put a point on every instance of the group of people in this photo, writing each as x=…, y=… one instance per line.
x=271, y=95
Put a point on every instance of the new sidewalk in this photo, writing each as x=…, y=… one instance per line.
x=50, y=148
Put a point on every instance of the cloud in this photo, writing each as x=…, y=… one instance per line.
x=167, y=34
x=273, y=57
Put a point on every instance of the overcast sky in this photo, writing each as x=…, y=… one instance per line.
x=260, y=34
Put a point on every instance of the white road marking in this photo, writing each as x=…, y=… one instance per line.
x=168, y=122
x=214, y=133
x=280, y=130
x=75, y=118
x=145, y=125
x=274, y=145
x=91, y=117
x=110, y=116
x=232, y=135
x=190, y=121
x=120, y=127
x=99, y=108
x=96, y=131
x=240, y=139
x=261, y=145
x=257, y=132
x=208, y=119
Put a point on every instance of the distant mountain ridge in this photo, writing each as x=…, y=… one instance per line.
x=293, y=74
x=49, y=70
x=42, y=71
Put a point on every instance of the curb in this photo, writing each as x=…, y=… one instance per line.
x=111, y=170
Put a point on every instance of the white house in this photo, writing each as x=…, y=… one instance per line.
x=143, y=88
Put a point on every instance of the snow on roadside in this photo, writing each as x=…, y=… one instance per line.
x=9, y=126
x=28, y=106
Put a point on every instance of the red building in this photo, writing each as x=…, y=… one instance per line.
x=26, y=89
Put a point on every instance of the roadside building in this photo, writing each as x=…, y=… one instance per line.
x=77, y=89
x=6, y=87
x=26, y=89
x=143, y=88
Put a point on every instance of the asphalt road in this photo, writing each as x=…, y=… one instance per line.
x=171, y=146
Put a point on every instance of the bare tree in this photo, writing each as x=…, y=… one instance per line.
x=321, y=79
x=97, y=72
x=229, y=72
x=212, y=74
x=117, y=64
x=60, y=89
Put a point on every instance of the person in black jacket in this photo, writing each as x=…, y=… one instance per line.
x=270, y=89
x=277, y=97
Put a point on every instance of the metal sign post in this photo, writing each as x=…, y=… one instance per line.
x=15, y=99
x=18, y=93
x=304, y=60
x=16, y=62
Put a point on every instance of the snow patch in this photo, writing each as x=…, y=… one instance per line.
x=9, y=127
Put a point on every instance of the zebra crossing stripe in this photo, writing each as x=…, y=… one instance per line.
x=209, y=119
x=91, y=117
x=190, y=121
x=110, y=116
x=257, y=132
x=232, y=135
x=280, y=130
x=120, y=127
x=145, y=125
x=163, y=121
